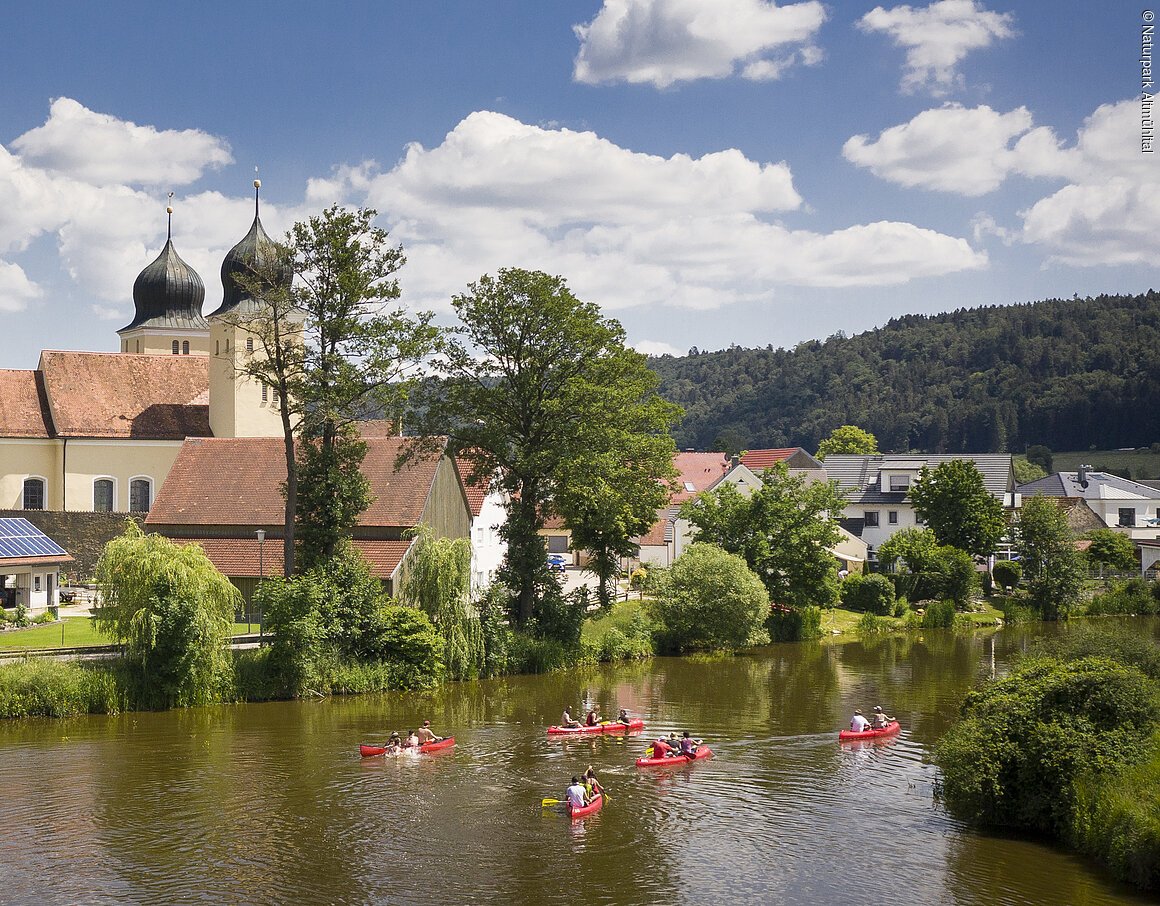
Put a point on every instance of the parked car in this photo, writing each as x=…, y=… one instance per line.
x=556, y=563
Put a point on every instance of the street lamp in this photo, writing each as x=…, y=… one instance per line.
x=261, y=533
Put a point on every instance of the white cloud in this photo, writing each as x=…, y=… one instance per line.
x=100, y=149
x=937, y=38
x=16, y=290
x=625, y=228
x=1105, y=214
x=656, y=348
x=969, y=151
x=660, y=42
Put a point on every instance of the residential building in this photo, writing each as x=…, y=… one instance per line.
x=1128, y=506
x=877, y=488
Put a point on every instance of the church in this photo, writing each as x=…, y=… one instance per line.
x=88, y=438
x=99, y=432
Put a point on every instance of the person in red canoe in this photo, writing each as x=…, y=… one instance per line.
x=425, y=734
x=593, y=717
x=880, y=720
x=592, y=785
x=623, y=717
x=412, y=740
x=689, y=745
x=858, y=723
x=568, y=720
x=576, y=795
x=661, y=748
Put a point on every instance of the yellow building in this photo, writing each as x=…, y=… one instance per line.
x=99, y=432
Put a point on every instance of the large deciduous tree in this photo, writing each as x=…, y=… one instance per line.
x=848, y=439
x=953, y=500
x=541, y=388
x=784, y=531
x=1111, y=549
x=337, y=349
x=1052, y=567
x=173, y=611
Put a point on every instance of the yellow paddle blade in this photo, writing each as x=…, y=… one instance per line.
x=548, y=802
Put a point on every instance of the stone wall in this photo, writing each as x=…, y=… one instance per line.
x=83, y=535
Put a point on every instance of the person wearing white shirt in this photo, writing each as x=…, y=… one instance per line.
x=858, y=723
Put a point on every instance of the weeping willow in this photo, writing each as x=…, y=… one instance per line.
x=173, y=612
x=440, y=584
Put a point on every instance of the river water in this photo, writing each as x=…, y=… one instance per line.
x=271, y=803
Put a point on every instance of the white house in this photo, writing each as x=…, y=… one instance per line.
x=30, y=565
x=877, y=488
x=1122, y=504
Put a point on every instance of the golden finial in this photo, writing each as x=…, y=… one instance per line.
x=169, y=211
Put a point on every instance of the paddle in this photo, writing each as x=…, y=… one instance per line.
x=549, y=802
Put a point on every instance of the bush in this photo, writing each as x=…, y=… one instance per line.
x=712, y=600
x=37, y=687
x=939, y=615
x=1133, y=596
x=1007, y=573
x=795, y=625
x=496, y=634
x=1117, y=820
x=624, y=633
x=21, y=620
x=42, y=618
x=960, y=578
x=872, y=593
x=871, y=625
x=1025, y=741
x=535, y=654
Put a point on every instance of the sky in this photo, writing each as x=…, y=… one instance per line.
x=710, y=172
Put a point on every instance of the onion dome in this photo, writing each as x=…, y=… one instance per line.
x=168, y=294
x=247, y=258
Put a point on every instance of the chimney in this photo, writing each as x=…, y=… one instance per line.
x=734, y=460
x=1082, y=476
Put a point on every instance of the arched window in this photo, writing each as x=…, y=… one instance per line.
x=103, y=495
x=185, y=347
x=140, y=495
x=175, y=347
x=34, y=493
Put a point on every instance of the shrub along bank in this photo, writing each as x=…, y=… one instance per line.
x=1066, y=746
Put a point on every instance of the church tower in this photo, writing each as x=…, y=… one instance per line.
x=167, y=299
x=239, y=405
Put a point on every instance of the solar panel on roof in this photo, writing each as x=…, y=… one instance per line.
x=20, y=538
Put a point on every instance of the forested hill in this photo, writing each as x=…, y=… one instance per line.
x=1065, y=373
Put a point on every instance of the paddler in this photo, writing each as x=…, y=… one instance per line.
x=858, y=723
x=879, y=721
x=689, y=745
x=592, y=785
x=661, y=748
x=593, y=717
x=425, y=734
x=576, y=795
x=623, y=717
x=568, y=720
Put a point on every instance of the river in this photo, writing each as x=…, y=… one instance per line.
x=270, y=803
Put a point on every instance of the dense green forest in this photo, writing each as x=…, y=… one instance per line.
x=1068, y=374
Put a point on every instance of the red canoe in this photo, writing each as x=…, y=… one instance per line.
x=585, y=810
x=675, y=761
x=607, y=726
x=370, y=751
x=889, y=730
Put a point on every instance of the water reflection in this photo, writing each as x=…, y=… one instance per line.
x=271, y=803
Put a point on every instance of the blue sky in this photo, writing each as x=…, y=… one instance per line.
x=710, y=171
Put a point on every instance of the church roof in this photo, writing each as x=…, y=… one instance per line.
x=254, y=250
x=236, y=481
x=23, y=406
x=168, y=294
x=119, y=395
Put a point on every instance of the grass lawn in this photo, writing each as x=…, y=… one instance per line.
x=78, y=633
x=846, y=621
x=620, y=617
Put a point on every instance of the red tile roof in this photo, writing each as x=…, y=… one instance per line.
x=237, y=480
x=21, y=562
x=23, y=407
x=698, y=470
x=655, y=536
x=476, y=492
x=114, y=394
x=240, y=558
x=757, y=460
